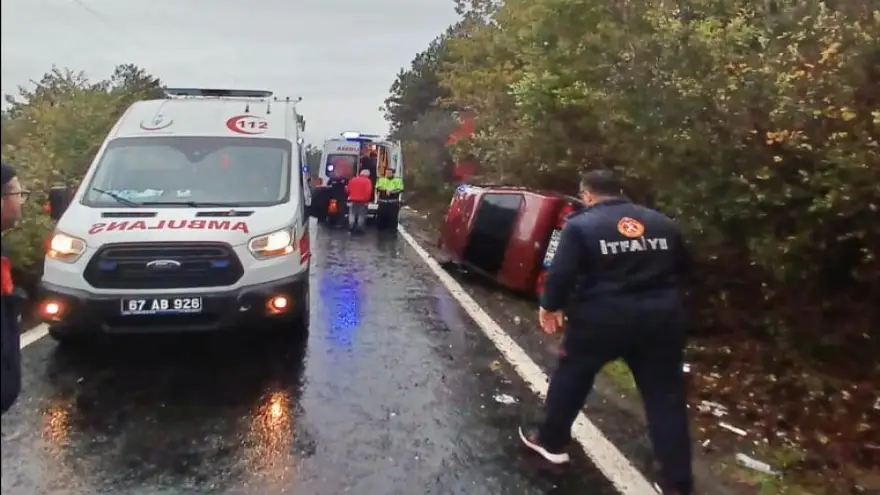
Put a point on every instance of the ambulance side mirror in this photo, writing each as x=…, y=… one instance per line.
x=59, y=200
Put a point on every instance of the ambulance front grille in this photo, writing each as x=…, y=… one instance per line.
x=164, y=265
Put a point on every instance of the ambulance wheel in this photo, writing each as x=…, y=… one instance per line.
x=296, y=327
x=68, y=339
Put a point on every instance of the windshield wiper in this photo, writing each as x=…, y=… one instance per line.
x=117, y=197
x=191, y=204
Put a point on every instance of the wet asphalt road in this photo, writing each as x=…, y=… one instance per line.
x=393, y=393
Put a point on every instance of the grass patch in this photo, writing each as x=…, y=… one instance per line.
x=618, y=372
x=780, y=458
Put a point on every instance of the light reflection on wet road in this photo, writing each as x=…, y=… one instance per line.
x=392, y=394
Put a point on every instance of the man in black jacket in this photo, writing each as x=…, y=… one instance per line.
x=10, y=214
x=616, y=277
x=337, y=188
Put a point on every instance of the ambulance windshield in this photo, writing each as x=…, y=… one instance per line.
x=220, y=171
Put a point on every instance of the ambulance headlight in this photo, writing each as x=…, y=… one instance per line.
x=278, y=243
x=66, y=248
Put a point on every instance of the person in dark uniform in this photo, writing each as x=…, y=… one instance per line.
x=614, y=286
x=337, y=186
x=10, y=346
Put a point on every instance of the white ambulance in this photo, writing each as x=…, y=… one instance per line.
x=342, y=156
x=191, y=217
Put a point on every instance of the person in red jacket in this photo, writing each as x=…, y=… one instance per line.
x=360, y=193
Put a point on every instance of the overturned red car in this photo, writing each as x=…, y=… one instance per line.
x=508, y=234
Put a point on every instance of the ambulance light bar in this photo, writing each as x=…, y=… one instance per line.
x=358, y=135
x=219, y=93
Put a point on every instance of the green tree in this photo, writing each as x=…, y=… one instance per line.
x=755, y=124
x=53, y=131
x=414, y=111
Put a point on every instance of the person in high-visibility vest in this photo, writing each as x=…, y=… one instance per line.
x=389, y=189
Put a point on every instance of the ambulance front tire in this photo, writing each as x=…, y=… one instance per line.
x=68, y=338
x=296, y=326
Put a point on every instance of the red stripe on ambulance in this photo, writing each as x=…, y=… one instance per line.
x=304, y=248
x=128, y=226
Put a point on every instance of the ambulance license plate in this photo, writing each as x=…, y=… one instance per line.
x=161, y=306
x=551, y=248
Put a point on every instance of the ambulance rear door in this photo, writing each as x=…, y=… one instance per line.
x=397, y=159
x=341, y=155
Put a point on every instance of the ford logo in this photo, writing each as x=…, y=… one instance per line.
x=163, y=265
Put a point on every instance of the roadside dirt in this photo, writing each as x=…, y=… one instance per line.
x=745, y=399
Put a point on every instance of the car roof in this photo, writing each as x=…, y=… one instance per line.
x=208, y=117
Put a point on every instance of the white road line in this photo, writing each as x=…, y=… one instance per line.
x=625, y=477
x=614, y=465
x=34, y=334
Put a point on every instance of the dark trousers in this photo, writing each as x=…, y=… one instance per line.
x=11, y=352
x=387, y=214
x=652, y=347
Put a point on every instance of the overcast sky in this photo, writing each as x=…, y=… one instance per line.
x=339, y=55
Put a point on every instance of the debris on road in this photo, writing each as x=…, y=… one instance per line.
x=734, y=429
x=755, y=465
x=713, y=408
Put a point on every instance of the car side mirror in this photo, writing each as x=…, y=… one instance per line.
x=59, y=200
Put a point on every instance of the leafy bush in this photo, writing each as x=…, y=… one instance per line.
x=52, y=133
x=756, y=124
